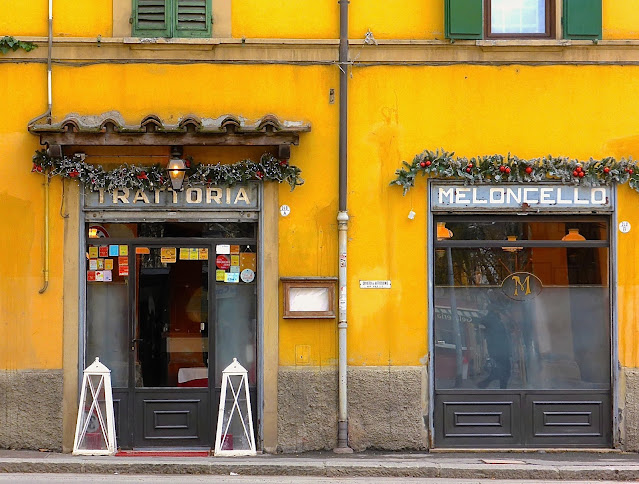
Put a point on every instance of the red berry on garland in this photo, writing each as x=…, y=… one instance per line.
x=422, y=164
x=581, y=174
x=578, y=169
x=502, y=168
x=143, y=176
x=74, y=173
x=428, y=162
x=468, y=170
x=575, y=173
x=630, y=171
x=528, y=169
x=283, y=162
x=259, y=174
x=507, y=169
x=606, y=170
x=470, y=165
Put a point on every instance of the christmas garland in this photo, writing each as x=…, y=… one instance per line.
x=156, y=176
x=511, y=169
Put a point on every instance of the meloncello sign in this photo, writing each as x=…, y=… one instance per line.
x=450, y=197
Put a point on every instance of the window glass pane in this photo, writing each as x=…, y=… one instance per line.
x=172, y=316
x=524, y=229
x=107, y=328
x=536, y=318
x=518, y=16
x=172, y=229
x=235, y=330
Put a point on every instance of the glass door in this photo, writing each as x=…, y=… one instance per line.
x=170, y=345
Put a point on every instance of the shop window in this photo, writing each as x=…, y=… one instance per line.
x=171, y=18
x=477, y=19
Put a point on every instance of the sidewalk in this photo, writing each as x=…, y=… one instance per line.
x=467, y=465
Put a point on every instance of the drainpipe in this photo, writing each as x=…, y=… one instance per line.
x=342, y=227
x=47, y=113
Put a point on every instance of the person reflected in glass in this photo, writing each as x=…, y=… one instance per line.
x=498, y=345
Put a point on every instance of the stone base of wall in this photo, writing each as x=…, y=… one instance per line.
x=630, y=413
x=306, y=409
x=31, y=409
x=386, y=408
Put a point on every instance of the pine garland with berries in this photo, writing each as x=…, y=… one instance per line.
x=150, y=177
x=511, y=169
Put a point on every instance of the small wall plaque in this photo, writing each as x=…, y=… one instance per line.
x=374, y=284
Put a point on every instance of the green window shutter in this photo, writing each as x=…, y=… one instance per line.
x=463, y=19
x=192, y=18
x=151, y=18
x=582, y=19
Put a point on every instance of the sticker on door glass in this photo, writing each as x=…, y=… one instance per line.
x=223, y=262
x=124, y=250
x=100, y=264
x=93, y=264
x=103, y=251
x=232, y=277
x=114, y=250
x=222, y=249
x=235, y=249
x=108, y=264
x=247, y=275
x=168, y=255
x=219, y=275
x=108, y=276
x=184, y=253
x=193, y=253
x=91, y=276
x=247, y=261
x=93, y=252
x=123, y=270
x=203, y=254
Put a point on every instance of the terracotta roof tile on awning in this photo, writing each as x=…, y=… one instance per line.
x=110, y=129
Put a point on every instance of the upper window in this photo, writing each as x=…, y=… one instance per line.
x=171, y=18
x=519, y=18
x=478, y=19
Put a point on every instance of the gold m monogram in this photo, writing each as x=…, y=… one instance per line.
x=525, y=286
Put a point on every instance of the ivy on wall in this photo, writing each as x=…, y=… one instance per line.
x=156, y=176
x=511, y=169
x=8, y=43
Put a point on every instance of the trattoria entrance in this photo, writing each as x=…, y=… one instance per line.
x=521, y=320
x=169, y=304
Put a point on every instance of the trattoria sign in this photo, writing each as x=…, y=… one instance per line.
x=239, y=197
x=519, y=197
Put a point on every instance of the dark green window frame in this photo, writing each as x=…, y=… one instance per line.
x=171, y=18
x=464, y=19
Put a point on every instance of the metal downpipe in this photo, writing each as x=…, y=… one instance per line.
x=342, y=227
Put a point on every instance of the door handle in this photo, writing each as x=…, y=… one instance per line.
x=135, y=340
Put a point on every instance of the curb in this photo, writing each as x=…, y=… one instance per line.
x=331, y=469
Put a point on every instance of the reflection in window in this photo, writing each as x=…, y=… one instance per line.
x=556, y=339
x=518, y=16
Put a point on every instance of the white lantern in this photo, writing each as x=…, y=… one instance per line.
x=95, y=429
x=235, y=424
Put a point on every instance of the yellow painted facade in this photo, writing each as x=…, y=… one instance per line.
x=285, y=53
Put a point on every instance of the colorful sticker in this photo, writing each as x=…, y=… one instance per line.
x=223, y=249
x=123, y=270
x=108, y=264
x=204, y=254
x=247, y=275
x=124, y=250
x=235, y=260
x=103, y=251
x=123, y=261
x=93, y=252
x=231, y=277
x=193, y=253
x=93, y=264
x=184, y=253
x=99, y=276
x=108, y=276
x=235, y=269
x=219, y=275
x=168, y=255
x=247, y=261
x=142, y=250
x=100, y=264
x=113, y=251
x=235, y=249
x=91, y=276
x=222, y=262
